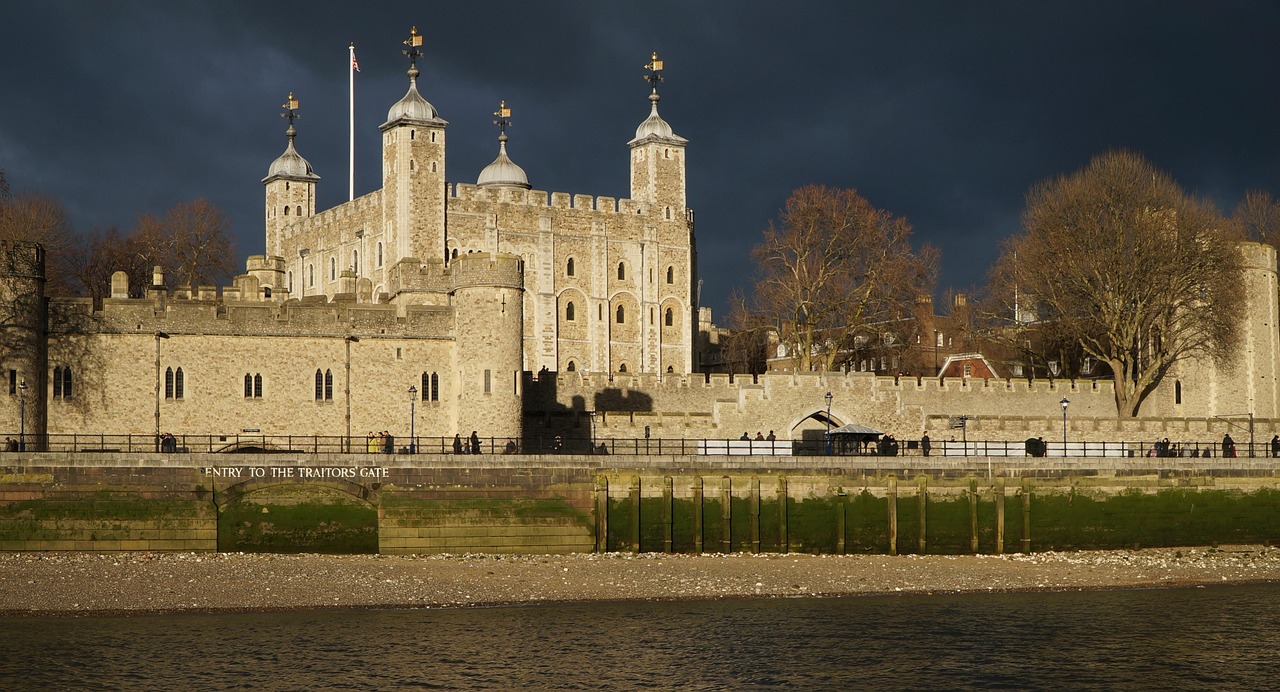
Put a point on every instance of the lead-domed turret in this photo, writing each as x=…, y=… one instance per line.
x=503, y=172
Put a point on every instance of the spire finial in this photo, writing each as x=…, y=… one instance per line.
x=290, y=111
x=412, y=52
x=504, y=120
x=654, y=66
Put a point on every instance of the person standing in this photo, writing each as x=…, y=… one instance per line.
x=475, y=442
x=457, y=443
x=925, y=446
x=1275, y=446
x=1228, y=446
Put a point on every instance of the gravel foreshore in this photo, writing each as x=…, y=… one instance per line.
x=123, y=583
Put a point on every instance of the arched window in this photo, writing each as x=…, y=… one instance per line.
x=622, y=271
x=410, y=164
x=57, y=382
x=621, y=315
x=266, y=292
x=248, y=386
x=426, y=387
x=177, y=384
x=455, y=254
x=299, y=210
x=1177, y=392
x=257, y=386
x=622, y=367
x=355, y=261
x=66, y=383
x=333, y=268
x=670, y=317
x=311, y=275
x=435, y=386
x=319, y=385
x=168, y=383
x=379, y=253
x=670, y=369
x=568, y=270
x=667, y=211
x=568, y=311
x=328, y=385
x=571, y=366
x=671, y=275
x=286, y=210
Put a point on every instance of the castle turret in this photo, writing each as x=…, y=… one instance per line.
x=503, y=172
x=413, y=171
x=291, y=187
x=489, y=307
x=657, y=159
x=24, y=352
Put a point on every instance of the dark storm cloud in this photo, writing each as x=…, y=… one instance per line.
x=943, y=112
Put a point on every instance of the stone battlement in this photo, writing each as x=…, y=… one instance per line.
x=540, y=198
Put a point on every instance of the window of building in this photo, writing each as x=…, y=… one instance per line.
x=937, y=340
x=13, y=382
x=286, y=210
x=488, y=381
x=319, y=385
x=670, y=369
x=671, y=275
x=621, y=315
x=568, y=311
x=311, y=275
x=248, y=386
x=968, y=369
x=291, y=281
x=622, y=367
x=600, y=311
x=62, y=383
x=173, y=384
x=411, y=164
x=670, y=317
x=667, y=212
x=622, y=271
x=333, y=268
x=435, y=386
x=168, y=383
x=355, y=261
x=299, y=210
x=328, y=385
x=1177, y=392
x=568, y=269
x=426, y=387
x=257, y=386
x=379, y=253
x=571, y=366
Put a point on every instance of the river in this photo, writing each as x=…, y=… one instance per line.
x=1220, y=637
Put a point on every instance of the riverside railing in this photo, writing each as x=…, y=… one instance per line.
x=562, y=444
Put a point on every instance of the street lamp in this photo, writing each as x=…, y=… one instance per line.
x=22, y=413
x=159, y=336
x=1065, y=403
x=828, y=437
x=413, y=399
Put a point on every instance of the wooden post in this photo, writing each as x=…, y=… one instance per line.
x=635, y=514
x=922, y=495
x=668, y=513
x=1026, y=515
x=1000, y=516
x=753, y=512
x=841, y=502
x=973, y=515
x=602, y=514
x=726, y=511
x=892, y=497
x=697, y=515
x=783, y=539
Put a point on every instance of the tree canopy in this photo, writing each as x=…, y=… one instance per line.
x=1118, y=258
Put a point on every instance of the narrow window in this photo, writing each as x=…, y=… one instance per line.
x=667, y=211
x=433, y=136
x=355, y=261
x=968, y=369
x=311, y=275
x=286, y=210
x=671, y=275
x=670, y=317
x=299, y=210
x=57, y=382
x=379, y=253
x=177, y=383
x=248, y=386
x=435, y=386
x=937, y=341
x=168, y=383
x=319, y=385
x=600, y=311
x=410, y=164
x=621, y=315
x=571, y=366
x=66, y=383
x=488, y=381
x=433, y=166
x=257, y=386
x=622, y=271
x=1177, y=392
x=670, y=369
x=13, y=381
x=333, y=268
x=426, y=387
x=291, y=281
x=569, y=267
x=622, y=367
x=413, y=135
x=328, y=385
x=568, y=311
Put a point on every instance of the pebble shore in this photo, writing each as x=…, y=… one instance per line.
x=71, y=584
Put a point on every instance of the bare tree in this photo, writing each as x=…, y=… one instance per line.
x=832, y=265
x=1257, y=218
x=93, y=260
x=1118, y=259
x=191, y=241
x=744, y=347
x=39, y=219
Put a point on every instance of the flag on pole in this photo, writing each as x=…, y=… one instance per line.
x=354, y=65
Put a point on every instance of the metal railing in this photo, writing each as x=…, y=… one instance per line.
x=562, y=444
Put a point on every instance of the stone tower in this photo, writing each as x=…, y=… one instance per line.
x=24, y=346
x=413, y=181
x=488, y=302
x=290, y=187
x=657, y=159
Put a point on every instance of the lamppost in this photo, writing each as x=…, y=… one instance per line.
x=828, y=436
x=159, y=336
x=22, y=414
x=936, y=371
x=1065, y=403
x=413, y=399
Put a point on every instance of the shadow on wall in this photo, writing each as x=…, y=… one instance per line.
x=545, y=417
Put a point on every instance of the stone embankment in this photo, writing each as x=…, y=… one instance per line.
x=123, y=583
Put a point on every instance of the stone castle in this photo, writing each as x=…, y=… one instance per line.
x=513, y=312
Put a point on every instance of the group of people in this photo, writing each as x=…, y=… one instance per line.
x=759, y=436
x=380, y=443
x=168, y=443
x=470, y=446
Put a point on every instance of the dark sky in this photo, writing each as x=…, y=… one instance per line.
x=942, y=112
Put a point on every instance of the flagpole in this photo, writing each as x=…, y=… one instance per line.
x=351, y=84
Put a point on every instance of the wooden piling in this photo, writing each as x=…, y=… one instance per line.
x=753, y=514
x=726, y=511
x=892, y=497
x=841, y=503
x=602, y=514
x=783, y=539
x=973, y=515
x=668, y=512
x=697, y=515
x=922, y=498
x=1026, y=515
x=635, y=514
x=999, y=516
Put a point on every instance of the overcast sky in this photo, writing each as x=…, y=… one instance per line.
x=942, y=112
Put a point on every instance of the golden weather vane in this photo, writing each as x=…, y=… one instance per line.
x=503, y=114
x=414, y=42
x=290, y=107
x=654, y=66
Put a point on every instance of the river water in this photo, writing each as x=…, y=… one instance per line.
x=1218, y=638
